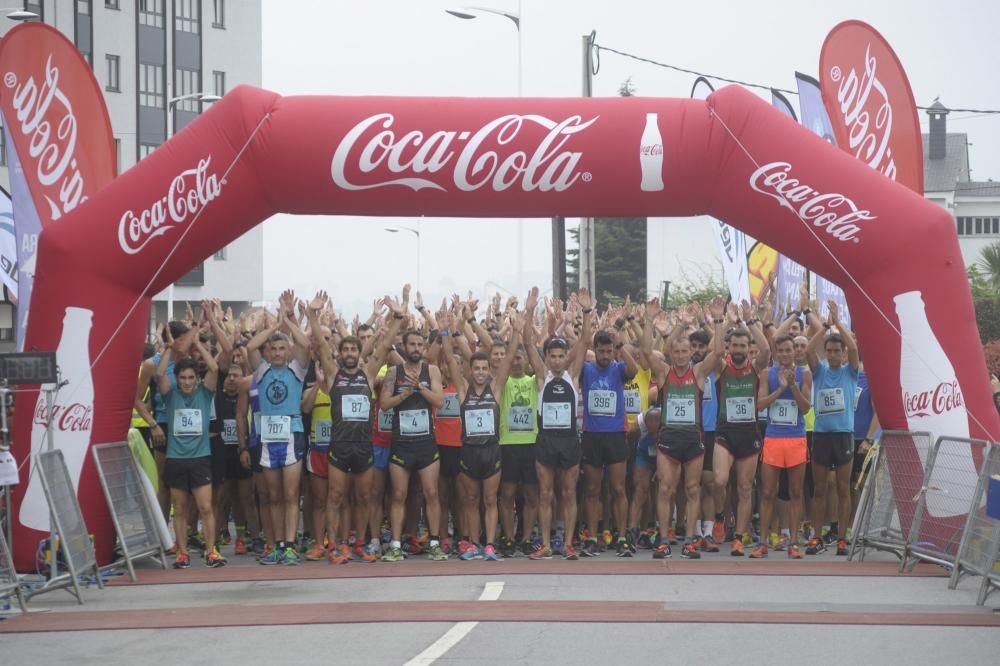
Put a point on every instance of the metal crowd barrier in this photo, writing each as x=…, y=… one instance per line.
x=72, y=536
x=10, y=583
x=131, y=512
x=979, y=549
x=881, y=522
x=944, y=502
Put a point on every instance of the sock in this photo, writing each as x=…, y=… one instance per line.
x=707, y=526
x=374, y=542
x=396, y=543
x=834, y=528
x=697, y=529
x=435, y=540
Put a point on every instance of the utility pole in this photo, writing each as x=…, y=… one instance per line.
x=587, y=272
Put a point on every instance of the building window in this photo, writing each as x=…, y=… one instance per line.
x=186, y=82
x=187, y=16
x=114, y=72
x=111, y=4
x=218, y=13
x=145, y=149
x=83, y=7
x=219, y=81
x=118, y=156
x=220, y=255
x=36, y=7
x=151, y=86
x=151, y=13
x=978, y=226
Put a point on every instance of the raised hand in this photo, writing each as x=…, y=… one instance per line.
x=783, y=378
x=746, y=312
x=318, y=301
x=732, y=313
x=395, y=307
x=419, y=303
x=803, y=296
x=717, y=308
x=834, y=313
x=584, y=298
x=406, y=294
x=653, y=309
x=532, y=300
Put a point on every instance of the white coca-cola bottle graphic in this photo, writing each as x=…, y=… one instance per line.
x=72, y=415
x=932, y=402
x=651, y=155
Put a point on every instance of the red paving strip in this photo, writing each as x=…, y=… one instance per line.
x=465, y=611
x=234, y=574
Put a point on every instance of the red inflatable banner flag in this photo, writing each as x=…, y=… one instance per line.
x=870, y=103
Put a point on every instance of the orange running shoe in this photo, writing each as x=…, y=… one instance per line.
x=241, y=546
x=709, y=545
x=361, y=553
x=316, y=553
x=719, y=531
x=760, y=552
x=339, y=555
x=183, y=560
x=794, y=553
x=736, y=547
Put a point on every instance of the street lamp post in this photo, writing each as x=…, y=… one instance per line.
x=469, y=13
x=415, y=232
x=201, y=97
x=20, y=15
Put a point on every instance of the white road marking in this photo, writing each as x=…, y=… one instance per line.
x=437, y=649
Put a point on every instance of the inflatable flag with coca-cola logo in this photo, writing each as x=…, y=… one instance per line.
x=256, y=153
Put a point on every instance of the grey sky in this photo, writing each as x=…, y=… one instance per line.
x=412, y=47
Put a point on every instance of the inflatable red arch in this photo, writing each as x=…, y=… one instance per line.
x=733, y=156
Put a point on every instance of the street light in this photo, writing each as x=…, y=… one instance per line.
x=469, y=13
x=415, y=232
x=201, y=97
x=21, y=15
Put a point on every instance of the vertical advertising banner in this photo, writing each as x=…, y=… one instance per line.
x=8, y=245
x=791, y=276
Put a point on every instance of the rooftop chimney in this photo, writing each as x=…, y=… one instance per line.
x=938, y=130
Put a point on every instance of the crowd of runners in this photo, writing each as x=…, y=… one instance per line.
x=505, y=429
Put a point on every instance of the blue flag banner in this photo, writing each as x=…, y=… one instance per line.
x=27, y=229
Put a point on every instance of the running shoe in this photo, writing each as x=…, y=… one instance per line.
x=241, y=546
x=662, y=552
x=815, y=546
x=622, y=549
x=749, y=539
x=183, y=561
x=719, y=531
x=214, y=559
x=773, y=539
x=569, y=552
x=830, y=537
x=412, y=546
x=794, y=553
x=435, y=553
x=507, y=547
x=464, y=546
x=528, y=547
x=841, y=546
x=172, y=550
x=448, y=545
x=736, y=547
x=689, y=552
x=645, y=539
x=196, y=540
x=760, y=552
x=471, y=553
x=225, y=538
x=258, y=546
x=394, y=554
x=590, y=548
x=291, y=556
x=306, y=544
x=316, y=553
x=490, y=553
x=273, y=556
x=543, y=552
x=339, y=555
x=557, y=544
x=368, y=553
x=607, y=538
x=783, y=542
x=672, y=536
x=708, y=544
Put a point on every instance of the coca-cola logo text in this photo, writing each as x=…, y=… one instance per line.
x=835, y=213
x=52, y=131
x=190, y=191
x=945, y=397
x=651, y=149
x=869, y=125
x=68, y=418
x=547, y=167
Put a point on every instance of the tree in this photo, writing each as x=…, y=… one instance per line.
x=989, y=261
x=619, y=259
x=627, y=88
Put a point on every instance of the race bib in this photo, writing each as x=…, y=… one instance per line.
x=187, y=422
x=321, y=431
x=452, y=407
x=739, y=410
x=602, y=403
x=521, y=419
x=633, y=401
x=784, y=412
x=680, y=411
x=651, y=449
x=355, y=407
x=212, y=416
x=479, y=422
x=385, y=420
x=229, y=431
x=275, y=429
x=857, y=396
x=414, y=422
x=831, y=401
x=556, y=415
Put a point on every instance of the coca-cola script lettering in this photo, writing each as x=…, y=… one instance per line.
x=868, y=141
x=945, y=397
x=189, y=192
x=68, y=418
x=52, y=138
x=547, y=167
x=834, y=213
